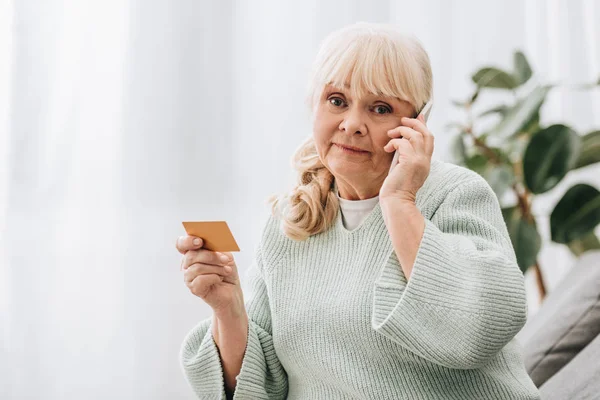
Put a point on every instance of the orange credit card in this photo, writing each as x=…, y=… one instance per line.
x=216, y=235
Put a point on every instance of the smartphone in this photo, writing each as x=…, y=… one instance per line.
x=425, y=111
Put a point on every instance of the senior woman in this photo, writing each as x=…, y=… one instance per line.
x=366, y=283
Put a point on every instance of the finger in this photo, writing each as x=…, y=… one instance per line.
x=199, y=286
x=416, y=124
x=403, y=145
x=414, y=137
x=186, y=243
x=203, y=269
x=229, y=255
x=427, y=136
x=429, y=144
x=204, y=256
x=419, y=124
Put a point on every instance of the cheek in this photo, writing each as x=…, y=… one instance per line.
x=381, y=142
x=324, y=128
x=319, y=136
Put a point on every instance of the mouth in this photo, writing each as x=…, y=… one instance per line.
x=351, y=150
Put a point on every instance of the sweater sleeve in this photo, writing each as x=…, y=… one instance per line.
x=262, y=375
x=465, y=298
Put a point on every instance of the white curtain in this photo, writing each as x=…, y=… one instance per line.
x=120, y=119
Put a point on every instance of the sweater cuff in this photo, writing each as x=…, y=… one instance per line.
x=261, y=375
x=250, y=380
x=202, y=365
x=450, y=272
x=459, y=306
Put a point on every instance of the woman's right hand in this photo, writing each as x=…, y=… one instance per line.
x=214, y=280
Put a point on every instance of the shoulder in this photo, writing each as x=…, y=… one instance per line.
x=445, y=179
x=443, y=172
x=272, y=238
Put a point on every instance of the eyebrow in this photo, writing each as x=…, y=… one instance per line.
x=377, y=95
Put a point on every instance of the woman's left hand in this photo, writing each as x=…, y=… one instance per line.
x=415, y=144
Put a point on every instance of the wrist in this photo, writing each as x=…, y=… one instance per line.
x=400, y=196
x=398, y=202
x=234, y=312
x=231, y=323
x=398, y=208
x=230, y=316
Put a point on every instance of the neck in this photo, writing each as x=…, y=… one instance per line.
x=357, y=197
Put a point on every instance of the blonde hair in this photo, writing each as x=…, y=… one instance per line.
x=372, y=58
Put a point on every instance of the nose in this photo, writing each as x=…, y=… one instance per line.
x=353, y=122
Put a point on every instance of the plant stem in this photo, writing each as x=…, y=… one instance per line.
x=524, y=202
x=478, y=142
x=523, y=196
x=524, y=199
x=489, y=152
x=540, y=280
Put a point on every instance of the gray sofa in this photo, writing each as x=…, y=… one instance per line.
x=561, y=345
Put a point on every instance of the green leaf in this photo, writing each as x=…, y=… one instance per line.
x=477, y=163
x=502, y=109
x=533, y=126
x=551, y=153
x=492, y=77
x=515, y=148
x=520, y=115
x=522, y=68
x=524, y=237
x=576, y=214
x=459, y=103
x=590, y=152
x=587, y=242
x=501, y=155
x=465, y=103
x=500, y=178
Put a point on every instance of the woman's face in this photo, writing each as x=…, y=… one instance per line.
x=362, y=123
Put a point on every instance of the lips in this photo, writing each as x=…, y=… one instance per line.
x=351, y=148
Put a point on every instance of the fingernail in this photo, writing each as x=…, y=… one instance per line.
x=224, y=257
x=196, y=242
x=228, y=268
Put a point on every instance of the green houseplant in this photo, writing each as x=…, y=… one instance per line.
x=517, y=155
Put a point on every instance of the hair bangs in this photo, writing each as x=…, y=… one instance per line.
x=384, y=63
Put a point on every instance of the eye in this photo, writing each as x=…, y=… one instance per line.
x=387, y=110
x=336, y=101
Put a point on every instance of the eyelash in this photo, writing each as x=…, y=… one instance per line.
x=389, y=110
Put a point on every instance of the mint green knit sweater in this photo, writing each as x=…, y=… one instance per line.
x=334, y=317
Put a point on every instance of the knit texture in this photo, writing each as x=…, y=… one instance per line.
x=334, y=317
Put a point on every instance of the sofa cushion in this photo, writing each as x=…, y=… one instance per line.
x=566, y=322
x=580, y=379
